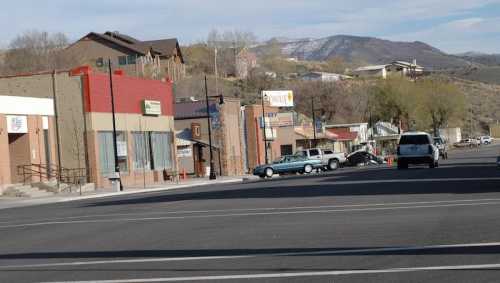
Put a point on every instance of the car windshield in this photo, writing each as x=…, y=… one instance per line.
x=438, y=141
x=414, y=139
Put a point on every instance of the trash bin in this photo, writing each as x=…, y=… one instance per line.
x=115, y=181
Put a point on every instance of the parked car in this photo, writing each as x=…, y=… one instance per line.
x=417, y=148
x=486, y=140
x=467, y=143
x=330, y=160
x=440, y=143
x=288, y=164
x=363, y=157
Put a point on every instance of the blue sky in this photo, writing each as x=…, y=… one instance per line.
x=450, y=25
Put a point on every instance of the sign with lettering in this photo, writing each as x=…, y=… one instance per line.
x=151, y=107
x=279, y=98
x=185, y=151
x=17, y=124
x=121, y=147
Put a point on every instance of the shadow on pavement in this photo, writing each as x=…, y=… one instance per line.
x=347, y=251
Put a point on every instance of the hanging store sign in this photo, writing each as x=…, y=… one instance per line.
x=17, y=124
x=279, y=98
x=196, y=130
x=151, y=107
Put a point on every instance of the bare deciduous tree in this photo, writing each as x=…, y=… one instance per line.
x=35, y=51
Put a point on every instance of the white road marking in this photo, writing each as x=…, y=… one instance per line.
x=295, y=274
x=231, y=257
x=262, y=209
x=415, y=180
x=239, y=215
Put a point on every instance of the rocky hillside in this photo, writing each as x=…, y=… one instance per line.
x=368, y=50
x=491, y=60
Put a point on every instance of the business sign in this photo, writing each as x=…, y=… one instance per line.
x=319, y=126
x=121, y=147
x=215, y=120
x=17, y=124
x=196, y=130
x=151, y=107
x=185, y=151
x=279, y=98
x=278, y=120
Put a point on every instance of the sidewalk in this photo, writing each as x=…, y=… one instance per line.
x=10, y=202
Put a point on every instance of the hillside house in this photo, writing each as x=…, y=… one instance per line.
x=324, y=77
x=152, y=59
x=400, y=68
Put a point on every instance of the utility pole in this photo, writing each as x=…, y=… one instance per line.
x=212, y=169
x=314, y=121
x=264, y=127
x=117, y=166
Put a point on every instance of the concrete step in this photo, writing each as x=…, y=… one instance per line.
x=25, y=191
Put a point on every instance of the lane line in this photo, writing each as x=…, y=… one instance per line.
x=295, y=274
x=259, y=209
x=415, y=180
x=238, y=215
x=232, y=257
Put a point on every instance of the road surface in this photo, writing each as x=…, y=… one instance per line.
x=354, y=225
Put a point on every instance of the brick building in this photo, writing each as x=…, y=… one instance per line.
x=280, y=134
x=193, y=141
x=26, y=135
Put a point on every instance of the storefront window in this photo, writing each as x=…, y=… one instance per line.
x=142, y=151
x=106, y=152
x=161, y=144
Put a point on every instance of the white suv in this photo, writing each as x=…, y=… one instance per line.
x=417, y=148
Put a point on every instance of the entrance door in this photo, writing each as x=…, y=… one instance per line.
x=19, y=151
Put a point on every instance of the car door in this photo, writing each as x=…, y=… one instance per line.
x=314, y=154
x=281, y=165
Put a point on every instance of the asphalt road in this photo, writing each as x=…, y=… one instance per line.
x=354, y=225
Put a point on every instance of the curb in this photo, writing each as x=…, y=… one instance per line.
x=125, y=193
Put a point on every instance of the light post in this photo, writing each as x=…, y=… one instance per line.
x=117, y=166
x=314, y=121
x=212, y=175
x=264, y=127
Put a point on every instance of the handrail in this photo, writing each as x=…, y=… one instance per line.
x=73, y=176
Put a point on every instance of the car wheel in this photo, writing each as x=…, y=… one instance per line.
x=333, y=164
x=269, y=172
x=308, y=168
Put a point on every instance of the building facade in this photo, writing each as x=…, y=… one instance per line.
x=193, y=141
x=26, y=137
x=81, y=125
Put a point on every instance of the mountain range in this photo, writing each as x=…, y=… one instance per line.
x=371, y=50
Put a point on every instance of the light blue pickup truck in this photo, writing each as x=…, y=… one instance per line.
x=288, y=164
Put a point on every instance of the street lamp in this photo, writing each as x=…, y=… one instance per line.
x=212, y=175
x=117, y=166
x=314, y=121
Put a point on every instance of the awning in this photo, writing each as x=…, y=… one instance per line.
x=343, y=135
